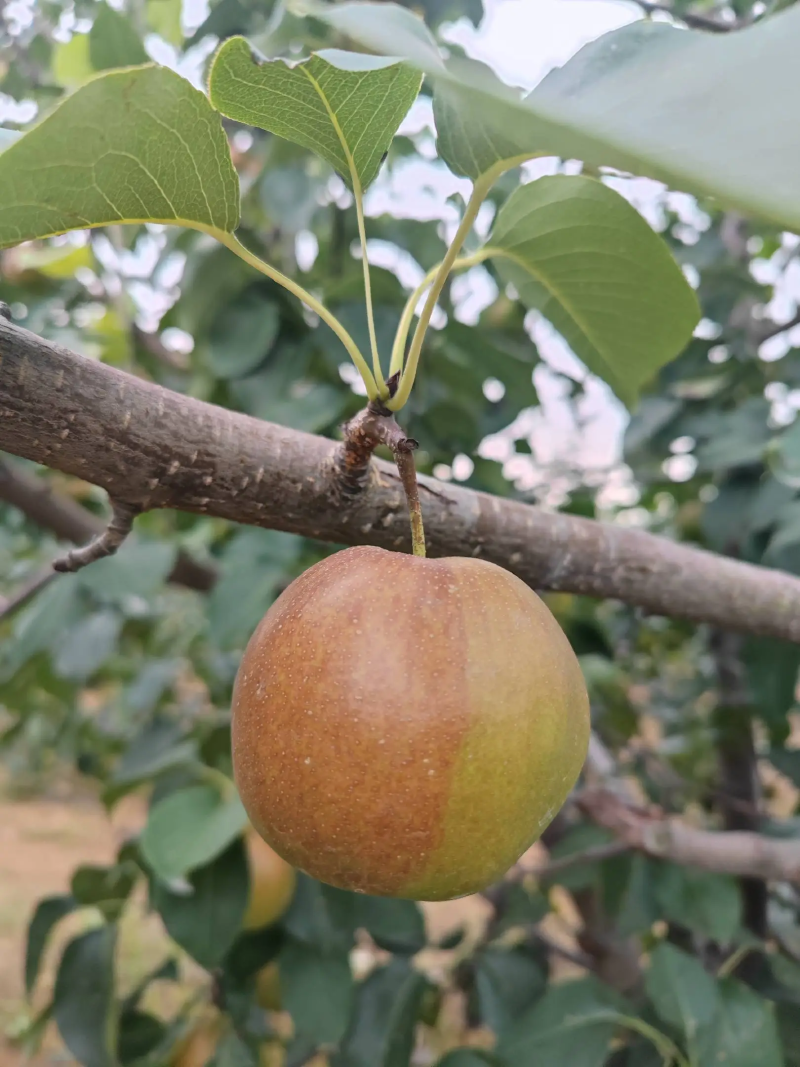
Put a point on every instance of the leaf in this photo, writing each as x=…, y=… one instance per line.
x=744, y=1031
x=387, y=1008
x=341, y=105
x=138, y=569
x=242, y=335
x=772, y=668
x=164, y=18
x=190, y=828
x=582, y=255
x=106, y=888
x=42, y=624
x=159, y=747
x=86, y=647
x=49, y=912
x=206, y=921
x=316, y=990
x=71, y=64
x=113, y=42
x=132, y=145
x=83, y=1001
x=636, y=99
x=321, y=915
x=394, y=925
x=683, y=994
x=563, y=1027
x=466, y=1057
x=254, y=566
x=507, y=982
x=139, y=1034
x=707, y=903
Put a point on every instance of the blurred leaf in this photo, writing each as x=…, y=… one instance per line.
x=242, y=335
x=600, y=106
x=341, y=105
x=232, y=1051
x=520, y=907
x=289, y=196
x=683, y=994
x=254, y=564
x=113, y=42
x=177, y=163
x=321, y=916
x=316, y=990
x=563, y=1027
x=624, y=307
x=387, y=1008
x=190, y=828
x=164, y=18
x=772, y=668
x=707, y=903
x=83, y=1001
x=159, y=747
x=466, y=1057
x=71, y=63
x=507, y=982
x=106, y=888
x=206, y=921
x=86, y=647
x=394, y=925
x=139, y=1034
x=49, y=912
x=138, y=569
x=744, y=1031
x=44, y=621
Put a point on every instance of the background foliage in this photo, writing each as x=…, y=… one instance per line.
x=127, y=677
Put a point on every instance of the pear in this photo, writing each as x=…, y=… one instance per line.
x=406, y=726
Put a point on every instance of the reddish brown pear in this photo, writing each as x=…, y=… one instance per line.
x=405, y=726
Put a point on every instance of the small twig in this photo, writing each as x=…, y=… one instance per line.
x=404, y=458
x=581, y=959
x=9, y=604
x=105, y=544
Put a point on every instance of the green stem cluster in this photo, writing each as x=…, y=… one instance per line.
x=405, y=368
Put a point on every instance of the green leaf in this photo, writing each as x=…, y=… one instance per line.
x=159, y=747
x=133, y=145
x=707, y=903
x=49, y=912
x=466, y=1057
x=507, y=982
x=636, y=99
x=316, y=990
x=139, y=1034
x=83, y=1001
x=86, y=647
x=321, y=915
x=164, y=18
x=394, y=925
x=71, y=63
x=242, y=335
x=772, y=668
x=743, y=1033
x=338, y=104
x=384, y=1025
x=579, y=253
x=206, y=921
x=565, y=1027
x=106, y=888
x=138, y=569
x=113, y=42
x=683, y=994
x=190, y=828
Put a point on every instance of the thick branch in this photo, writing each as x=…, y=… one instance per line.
x=37, y=500
x=746, y=855
x=153, y=448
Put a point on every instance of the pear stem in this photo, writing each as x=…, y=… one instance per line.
x=403, y=453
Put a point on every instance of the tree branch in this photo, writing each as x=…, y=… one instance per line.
x=153, y=448
x=37, y=500
x=746, y=855
x=105, y=544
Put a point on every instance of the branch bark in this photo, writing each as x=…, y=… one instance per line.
x=152, y=448
x=743, y=854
